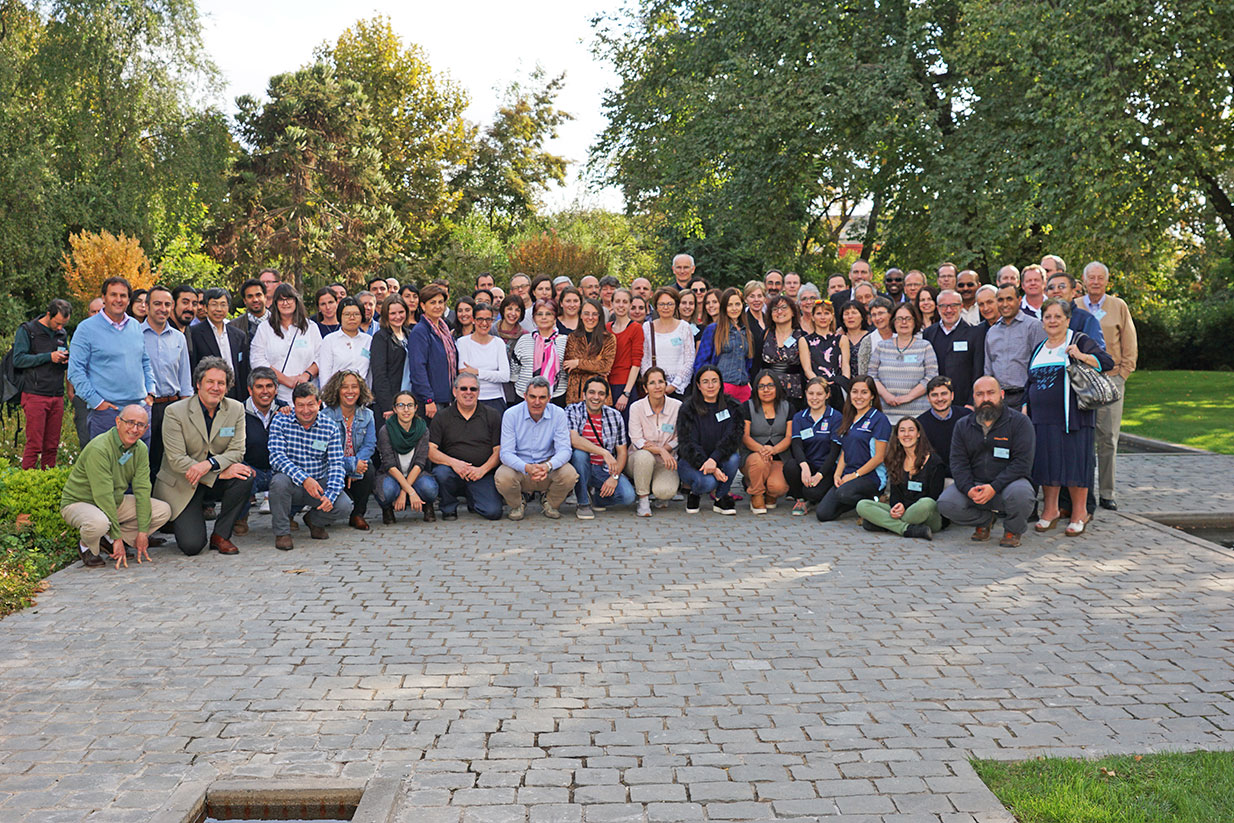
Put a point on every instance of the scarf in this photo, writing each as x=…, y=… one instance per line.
x=447, y=340
x=403, y=441
x=546, y=355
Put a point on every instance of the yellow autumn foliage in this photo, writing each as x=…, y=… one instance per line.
x=94, y=257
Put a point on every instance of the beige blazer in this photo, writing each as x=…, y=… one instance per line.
x=184, y=443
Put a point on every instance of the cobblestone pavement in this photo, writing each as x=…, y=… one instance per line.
x=1176, y=483
x=685, y=668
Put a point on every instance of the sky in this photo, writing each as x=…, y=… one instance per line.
x=481, y=44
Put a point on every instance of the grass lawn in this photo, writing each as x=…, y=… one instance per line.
x=1156, y=788
x=1194, y=408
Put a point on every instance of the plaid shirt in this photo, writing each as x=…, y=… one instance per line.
x=612, y=426
x=315, y=452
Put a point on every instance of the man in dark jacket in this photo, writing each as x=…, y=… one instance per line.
x=259, y=410
x=992, y=454
x=40, y=350
x=215, y=337
x=958, y=346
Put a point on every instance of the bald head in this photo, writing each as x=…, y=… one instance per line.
x=131, y=423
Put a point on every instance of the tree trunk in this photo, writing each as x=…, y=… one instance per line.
x=867, y=242
x=1221, y=201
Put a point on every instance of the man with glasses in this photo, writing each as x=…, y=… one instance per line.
x=96, y=501
x=967, y=283
x=914, y=282
x=683, y=272
x=893, y=285
x=1063, y=286
x=270, y=279
x=946, y=276
x=589, y=286
x=520, y=287
x=959, y=346
x=464, y=441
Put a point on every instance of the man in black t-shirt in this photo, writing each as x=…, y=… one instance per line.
x=464, y=443
x=938, y=422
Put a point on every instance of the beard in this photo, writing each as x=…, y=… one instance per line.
x=988, y=412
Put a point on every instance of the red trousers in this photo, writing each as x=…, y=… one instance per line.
x=43, y=417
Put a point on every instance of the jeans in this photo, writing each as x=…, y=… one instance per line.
x=591, y=476
x=704, y=484
x=481, y=495
x=285, y=493
x=387, y=490
x=261, y=483
x=98, y=422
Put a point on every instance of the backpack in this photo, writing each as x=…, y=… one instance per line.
x=12, y=381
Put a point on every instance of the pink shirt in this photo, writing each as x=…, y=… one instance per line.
x=649, y=428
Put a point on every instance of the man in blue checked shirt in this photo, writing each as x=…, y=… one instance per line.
x=598, y=435
x=306, y=456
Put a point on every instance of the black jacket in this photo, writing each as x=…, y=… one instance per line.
x=974, y=461
x=257, y=437
x=931, y=479
x=387, y=358
x=700, y=437
x=963, y=367
x=203, y=344
x=33, y=345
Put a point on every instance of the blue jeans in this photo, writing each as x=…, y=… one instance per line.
x=481, y=495
x=261, y=483
x=591, y=476
x=387, y=489
x=704, y=484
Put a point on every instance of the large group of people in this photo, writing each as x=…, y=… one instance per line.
x=916, y=404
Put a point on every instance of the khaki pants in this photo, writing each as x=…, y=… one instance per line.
x=511, y=485
x=765, y=476
x=651, y=476
x=94, y=525
x=1109, y=423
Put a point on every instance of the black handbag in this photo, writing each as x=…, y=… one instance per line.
x=1091, y=388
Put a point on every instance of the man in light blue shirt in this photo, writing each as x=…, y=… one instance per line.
x=108, y=364
x=535, y=452
x=168, y=351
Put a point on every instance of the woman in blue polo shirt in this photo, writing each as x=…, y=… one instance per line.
x=815, y=447
x=864, y=432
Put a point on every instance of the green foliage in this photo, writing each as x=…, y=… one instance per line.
x=35, y=492
x=1187, y=335
x=30, y=553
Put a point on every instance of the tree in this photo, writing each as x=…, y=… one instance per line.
x=551, y=255
x=510, y=169
x=418, y=114
x=94, y=257
x=309, y=196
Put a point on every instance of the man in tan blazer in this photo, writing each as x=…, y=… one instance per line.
x=203, y=454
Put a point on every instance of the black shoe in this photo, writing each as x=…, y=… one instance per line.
x=1109, y=505
x=692, y=503
x=450, y=515
x=725, y=505
x=210, y=512
x=919, y=530
x=870, y=527
x=387, y=516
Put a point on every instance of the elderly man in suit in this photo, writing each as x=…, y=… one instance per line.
x=203, y=460
x=216, y=338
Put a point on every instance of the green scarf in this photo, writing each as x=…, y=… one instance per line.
x=404, y=442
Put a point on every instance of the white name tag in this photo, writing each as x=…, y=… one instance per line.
x=806, y=434
x=722, y=415
x=676, y=341
x=960, y=345
x=1001, y=453
x=227, y=431
x=914, y=485
x=910, y=358
x=318, y=445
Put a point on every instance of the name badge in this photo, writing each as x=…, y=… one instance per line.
x=910, y=358
x=364, y=353
x=806, y=434
x=960, y=345
x=722, y=415
x=227, y=431
x=1099, y=313
x=1001, y=453
x=667, y=428
x=318, y=445
x=676, y=341
x=789, y=339
x=914, y=485
x=124, y=458
x=240, y=357
x=300, y=344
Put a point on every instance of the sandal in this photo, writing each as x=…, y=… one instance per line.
x=1075, y=528
x=1044, y=525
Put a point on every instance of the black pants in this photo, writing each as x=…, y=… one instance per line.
x=810, y=494
x=359, y=489
x=190, y=526
x=156, y=438
x=844, y=498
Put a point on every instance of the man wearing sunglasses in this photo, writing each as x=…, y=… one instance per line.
x=967, y=283
x=464, y=440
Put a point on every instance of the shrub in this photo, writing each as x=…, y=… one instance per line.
x=46, y=545
x=549, y=254
x=35, y=492
x=96, y=257
x=1196, y=335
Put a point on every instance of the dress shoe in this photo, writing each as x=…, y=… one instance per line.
x=222, y=545
x=283, y=543
x=295, y=527
x=154, y=542
x=1010, y=541
x=358, y=522
x=91, y=560
x=1109, y=505
x=449, y=515
x=387, y=517
x=430, y=516
x=317, y=532
x=241, y=528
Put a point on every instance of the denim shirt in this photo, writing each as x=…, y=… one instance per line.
x=363, y=435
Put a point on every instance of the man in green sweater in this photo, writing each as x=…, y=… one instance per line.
x=95, y=499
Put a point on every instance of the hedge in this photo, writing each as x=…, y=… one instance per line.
x=1192, y=336
x=32, y=552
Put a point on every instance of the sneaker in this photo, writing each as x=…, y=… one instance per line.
x=692, y=503
x=725, y=505
x=596, y=508
x=644, y=507
x=550, y=511
x=264, y=508
x=799, y=508
x=518, y=513
x=770, y=503
x=757, y=504
x=582, y=513
x=677, y=498
x=920, y=531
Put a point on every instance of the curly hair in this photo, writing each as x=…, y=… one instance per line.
x=330, y=393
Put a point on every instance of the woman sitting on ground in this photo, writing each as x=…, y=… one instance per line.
x=709, y=428
x=915, y=480
x=403, y=446
x=767, y=435
x=346, y=398
x=864, y=433
x=652, y=464
x=815, y=448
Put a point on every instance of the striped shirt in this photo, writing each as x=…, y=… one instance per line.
x=315, y=452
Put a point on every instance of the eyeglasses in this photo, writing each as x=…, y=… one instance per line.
x=467, y=388
x=698, y=289
x=768, y=386
x=483, y=319
x=782, y=307
x=949, y=305
x=136, y=425
x=287, y=300
x=404, y=405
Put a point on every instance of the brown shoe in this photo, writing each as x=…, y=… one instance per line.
x=316, y=532
x=430, y=516
x=358, y=522
x=283, y=543
x=241, y=528
x=1010, y=541
x=222, y=545
x=983, y=532
x=387, y=517
x=295, y=527
x=91, y=560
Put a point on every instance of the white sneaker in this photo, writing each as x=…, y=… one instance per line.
x=264, y=508
x=644, y=507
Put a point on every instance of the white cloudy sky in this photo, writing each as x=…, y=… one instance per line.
x=482, y=44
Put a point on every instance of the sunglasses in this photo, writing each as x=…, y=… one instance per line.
x=467, y=388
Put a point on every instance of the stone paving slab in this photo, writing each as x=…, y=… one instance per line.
x=686, y=668
x=1162, y=484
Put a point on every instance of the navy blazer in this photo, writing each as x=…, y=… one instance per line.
x=205, y=345
x=430, y=370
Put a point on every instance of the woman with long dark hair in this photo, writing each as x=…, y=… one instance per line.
x=728, y=345
x=926, y=302
x=139, y=304
x=915, y=480
x=767, y=435
x=623, y=377
x=389, y=356
x=864, y=433
x=287, y=342
x=590, y=350
x=327, y=311
x=406, y=482
x=709, y=429
x=783, y=347
x=345, y=400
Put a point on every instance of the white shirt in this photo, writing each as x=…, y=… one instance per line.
x=290, y=354
x=970, y=315
x=224, y=344
x=491, y=359
x=674, y=353
x=340, y=352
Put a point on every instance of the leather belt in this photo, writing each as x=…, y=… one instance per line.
x=171, y=398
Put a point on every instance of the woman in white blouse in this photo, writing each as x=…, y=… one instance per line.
x=347, y=349
x=287, y=342
x=486, y=356
x=669, y=343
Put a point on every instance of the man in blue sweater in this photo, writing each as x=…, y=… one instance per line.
x=108, y=364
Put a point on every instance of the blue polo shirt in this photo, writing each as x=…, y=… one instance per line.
x=859, y=442
x=817, y=436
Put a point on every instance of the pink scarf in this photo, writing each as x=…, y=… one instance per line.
x=546, y=355
x=441, y=330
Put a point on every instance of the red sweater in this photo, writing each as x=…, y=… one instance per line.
x=629, y=353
